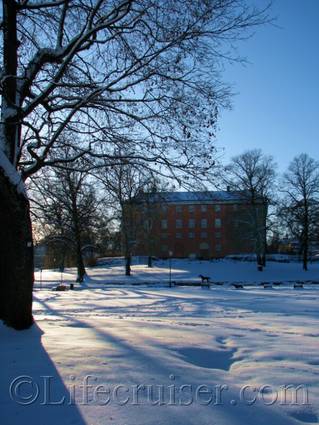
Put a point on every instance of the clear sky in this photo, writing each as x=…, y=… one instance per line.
x=277, y=103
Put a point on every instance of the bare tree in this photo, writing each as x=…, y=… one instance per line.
x=149, y=212
x=122, y=184
x=253, y=174
x=66, y=204
x=140, y=74
x=300, y=204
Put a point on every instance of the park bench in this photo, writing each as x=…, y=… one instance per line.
x=237, y=285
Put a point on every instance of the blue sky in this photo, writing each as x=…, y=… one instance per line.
x=277, y=103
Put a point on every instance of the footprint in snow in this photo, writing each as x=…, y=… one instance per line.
x=207, y=358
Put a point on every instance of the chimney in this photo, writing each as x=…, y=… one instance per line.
x=228, y=188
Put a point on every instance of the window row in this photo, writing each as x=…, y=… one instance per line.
x=179, y=224
x=191, y=235
x=193, y=208
x=218, y=247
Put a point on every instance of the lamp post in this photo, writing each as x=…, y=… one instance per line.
x=170, y=253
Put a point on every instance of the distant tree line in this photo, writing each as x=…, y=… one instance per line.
x=291, y=200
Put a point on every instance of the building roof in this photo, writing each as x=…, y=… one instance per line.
x=195, y=197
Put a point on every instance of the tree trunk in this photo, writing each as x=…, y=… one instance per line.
x=305, y=235
x=11, y=127
x=78, y=239
x=79, y=257
x=263, y=259
x=259, y=262
x=259, y=222
x=265, y=212
x=79, y=263
x=150, y=261
x=128, y=265
x=264, y=247
x=305, y=256
x=16, y=247
x=16, y=257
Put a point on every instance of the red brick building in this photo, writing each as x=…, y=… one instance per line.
x=197, y=224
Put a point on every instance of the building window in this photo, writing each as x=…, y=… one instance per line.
x=178, y=235
x=164, y=235
x=203, y=235
x=191, y=223
x=218, y=235
x=218, y=247
x=218, y=222
x=164, y=224
x=178, y=208
x=217, y=208
x=235, y=207
x=164, y=248
x=164, y=209
x=148, y=224
x=179, y=224
x=191, y=208
x=203, y=208
x=191, y=235
x=203, y=223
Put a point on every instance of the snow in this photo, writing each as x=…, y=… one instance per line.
x=214, y=349
x=227, y=271
x=11, y=173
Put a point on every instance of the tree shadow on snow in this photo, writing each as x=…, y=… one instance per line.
x=31, y=389
x=153, y=364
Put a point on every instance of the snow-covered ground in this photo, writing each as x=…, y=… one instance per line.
x=185, y=270
x=138, y=355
